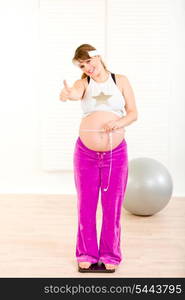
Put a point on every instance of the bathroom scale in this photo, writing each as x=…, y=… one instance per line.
x=98, y=267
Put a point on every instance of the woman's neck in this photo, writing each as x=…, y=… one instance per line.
x=102, y=76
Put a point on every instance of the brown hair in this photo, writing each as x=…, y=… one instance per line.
x=82, y=54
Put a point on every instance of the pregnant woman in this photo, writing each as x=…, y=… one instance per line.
x=100, y=155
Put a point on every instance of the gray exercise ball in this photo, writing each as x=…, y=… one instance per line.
x=149, y=187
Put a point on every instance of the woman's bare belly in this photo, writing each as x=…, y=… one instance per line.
x=99, y=141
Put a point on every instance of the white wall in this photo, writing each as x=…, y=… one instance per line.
x=20, y=105
x=177, y=107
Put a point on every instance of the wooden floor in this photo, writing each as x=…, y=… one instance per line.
x=38, y=237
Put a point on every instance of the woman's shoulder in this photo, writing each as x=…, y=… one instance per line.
x=120, y=76
x=121, y=79
x=85, y=82
x=81, y=83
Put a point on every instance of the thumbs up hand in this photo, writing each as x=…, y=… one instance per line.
x=66, y=92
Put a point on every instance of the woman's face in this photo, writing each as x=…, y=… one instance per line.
x=91, y=66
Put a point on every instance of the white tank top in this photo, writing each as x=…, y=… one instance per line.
x=103, y=96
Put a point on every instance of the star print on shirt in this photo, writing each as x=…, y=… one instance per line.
x=102, y=99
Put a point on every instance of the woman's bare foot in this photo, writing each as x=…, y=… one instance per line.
x=84, y=265
x=110, y=267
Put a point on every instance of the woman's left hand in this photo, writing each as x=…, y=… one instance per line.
x=111, y=125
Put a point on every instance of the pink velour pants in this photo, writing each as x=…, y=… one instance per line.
x=91, y=169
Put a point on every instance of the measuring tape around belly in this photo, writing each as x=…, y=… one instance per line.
x=110, y=141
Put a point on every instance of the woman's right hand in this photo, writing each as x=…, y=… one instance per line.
x=66, y=92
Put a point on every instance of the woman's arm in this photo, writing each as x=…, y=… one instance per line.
x=130, y=104
x=74, y=93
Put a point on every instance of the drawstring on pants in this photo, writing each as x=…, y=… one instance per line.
x=110, y=141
